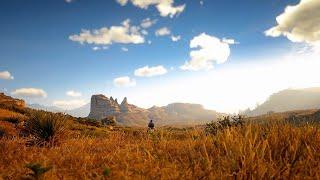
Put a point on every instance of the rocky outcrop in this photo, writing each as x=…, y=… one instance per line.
x=125, y=107
x=127, y=114
x=102, y=106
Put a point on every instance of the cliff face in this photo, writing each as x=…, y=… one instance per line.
x=131, y=115
x=102, y=106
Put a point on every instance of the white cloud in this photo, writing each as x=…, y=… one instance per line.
x=122, y=2
x=299, y=23
x=69, y=1
x=175, y=38
x=124, y=34
x=147, y=71
x=124, y=81
x=146, y=23
x=229, y=41
x=165, y=7
x=69, y=104
x=201, y=3
x=124, y=49
x=96, y=48
x=6, y=75
x=238, y=85
x=30, y=93
x=210, y=50
x=73, y=93
x=144, y=32
x=163, y=31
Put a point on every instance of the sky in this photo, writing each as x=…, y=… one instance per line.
x=226, y=55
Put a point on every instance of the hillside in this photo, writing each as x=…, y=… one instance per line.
x=263, y=146
x=289, y=100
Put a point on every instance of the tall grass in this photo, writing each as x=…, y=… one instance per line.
x=252, y=151
x=46, y=128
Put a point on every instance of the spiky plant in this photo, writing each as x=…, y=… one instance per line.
x=37, y=170
x=2, y=132
x=46, y=128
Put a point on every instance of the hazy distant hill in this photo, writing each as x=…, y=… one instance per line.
x=289, y=100
x=82, y=111
x=45, y=108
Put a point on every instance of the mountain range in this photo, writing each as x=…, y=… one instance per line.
x=285, y=100
x=131, y=115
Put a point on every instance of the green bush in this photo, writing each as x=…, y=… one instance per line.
x=46, y=128
x=226, y=122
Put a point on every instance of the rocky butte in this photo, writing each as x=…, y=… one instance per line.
x=131, y=115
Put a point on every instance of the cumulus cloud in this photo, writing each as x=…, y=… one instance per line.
x=68, y=1
x=73, y=93
x=165, y=7
x=30, y=93
x=163, y=31
x=6, y=75
x=69, y=104
x=175, y=38
x=210, y=50
x=147, y=71
x=125, y=34
x=299, y=23
x=124, y=81
x=146, y=23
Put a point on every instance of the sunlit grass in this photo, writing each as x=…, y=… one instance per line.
x=269, y=150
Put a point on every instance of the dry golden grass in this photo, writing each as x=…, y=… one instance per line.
x=4, y=114
x=259, y=151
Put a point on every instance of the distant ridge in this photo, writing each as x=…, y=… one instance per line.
x=131, y=115
x=82, y=111
x=289, y=100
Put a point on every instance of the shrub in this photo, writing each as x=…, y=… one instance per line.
x=109, y=121
x=215, y=126
x=46, y=128
x=13, y=119
x=106, y=172
x=37, y=170
x=2, y=132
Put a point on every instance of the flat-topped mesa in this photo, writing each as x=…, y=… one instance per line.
x=102, y=106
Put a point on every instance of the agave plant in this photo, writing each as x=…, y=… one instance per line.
x=46, y=128
x=37, y=170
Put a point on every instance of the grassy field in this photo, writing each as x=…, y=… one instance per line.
x=272, y=149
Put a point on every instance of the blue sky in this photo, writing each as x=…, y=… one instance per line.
x=36, y=48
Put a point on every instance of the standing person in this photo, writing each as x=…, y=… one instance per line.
x=151, y=126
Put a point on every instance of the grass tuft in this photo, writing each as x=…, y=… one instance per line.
x=46, y=128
